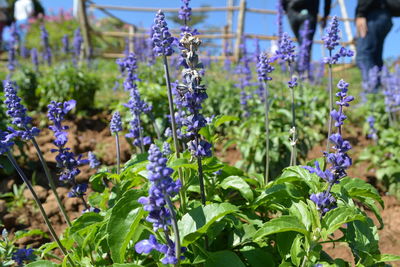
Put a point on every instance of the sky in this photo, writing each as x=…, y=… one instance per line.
x=254, y=23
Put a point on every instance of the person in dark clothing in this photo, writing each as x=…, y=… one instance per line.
x=373, y=23
x=298, y=12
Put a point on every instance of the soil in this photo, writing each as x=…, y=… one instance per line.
x=93, y=135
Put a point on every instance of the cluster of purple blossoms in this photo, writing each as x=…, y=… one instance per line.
x=6, y=142
x=47, y=56
x=185, y=12
x=35, y=59
x=373, y=132
x=391, y=83
x=161, y=37
x=303, y=64
x=12, y=60
x=243, y=72
x=279, y=20
x=116, y=123
x=331, y=41
x=24, y=52
x=192, y=94
x=166, y=149
x=286, y=49
x=65, y=43
x=94, y=163
x=77, y=44
x=264, y=68
x=339, y=159
x=162, y=189
x=135, y=104
x=66, y=160
x=17, y=112
x=23, y=254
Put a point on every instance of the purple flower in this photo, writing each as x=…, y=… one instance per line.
x=185, y=12
x=325, y=202
x=6, y=141
x=286, y=49
x=17, y=112
x=78, y=190
x=162, y=187
x=166, y=149
x=292, y=83
x=93, y=161
x=264, y=68
x=65, y=44
x=279, y=18
x=373, y=133
x=35, y=59
x=304, y=51
x=91, y=209
x=24, y=52
x=12, y=61
x=162, y=39
x=47, y=57
x=23, y=254
x=77, y=43
x=116, y=123
x=200, y=149
x=331, y=37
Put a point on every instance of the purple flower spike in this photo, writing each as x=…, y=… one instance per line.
x=116, y=123
x=17, y=112
x=6, y=142
x=185, y=12
x=93, y=161
x=23, y=254
x=47, y=55
x=162, y=39
x=331, y=38
x=78, y=190
x=35, y=59
x=325, y=202
x=264, y=68
x=286, y=49
x=65, y=44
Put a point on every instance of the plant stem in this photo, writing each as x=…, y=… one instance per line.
x=155, y=125
x=137, y=116
x=118, y=153
x=201, y=177
x=51, y=181
x=266, y=107
x=330, y=86
x=293, y=107
x=174, y=136
x=42, y=211
x=174, y=223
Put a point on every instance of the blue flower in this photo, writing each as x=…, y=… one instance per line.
x=116, y=123
x=22, y=255
x=162, y=39
x=17, y=112
x=286, y=49
x=6, y=141
x=47, y=56
x=78, y=190
x=264, y=67
x=93, y=161
x=325, y=202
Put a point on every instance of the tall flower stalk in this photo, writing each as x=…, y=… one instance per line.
x=331, y=41
x=17, y=112
x=135, y=104
x=193, y=93
x=264, y=69
x=66, y=160
x=162, y=47
x=5, y=144
x=339, y=160
x=47, y=55
x=286, y=54
x=115, y=128
x=161, y=210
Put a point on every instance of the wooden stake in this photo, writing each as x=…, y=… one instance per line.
x=84, y=25
x=131, y=37
x=240, y=28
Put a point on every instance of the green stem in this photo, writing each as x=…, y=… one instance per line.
x=174, y=223
x=118, y=153
x=51, y=181
x=174, y=135
x=42, y=211
x=293, y=109
x=330, y=88
x=266, y=107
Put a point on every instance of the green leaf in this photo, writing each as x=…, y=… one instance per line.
x=182, y=163
x=296, y=251
x=257, y=257
x=224, y=258
x=124, y=219
x=282, y=224
x=224, y=118
x=87, y=220
x=300, y=174
x=386, y=258
x=41, y=264
x=238, y=183
x=196, y=222
x=126, y=265
x=335, y=218
x=358, y=188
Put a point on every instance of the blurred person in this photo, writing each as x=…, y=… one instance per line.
x=300, y=11
x=23, y=11
x=373, y=23
x=4, y=18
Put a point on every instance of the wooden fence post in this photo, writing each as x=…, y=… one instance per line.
x=131, y=42
x=240, y=28
x=84, y=25
x=229, y=20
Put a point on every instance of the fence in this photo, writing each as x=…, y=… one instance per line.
x=226, y=33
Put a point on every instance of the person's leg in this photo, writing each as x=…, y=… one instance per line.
x=382, y=28
x=365, y=50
